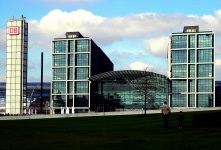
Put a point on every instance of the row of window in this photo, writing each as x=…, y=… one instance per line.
x=79, y=101
x=67, y=73
x=200, y=41
x=202, y=100
x=200, y=85
x=71, y=46
x=203, y=55
x=202, y=70
x=62, y=87
x=70, y=60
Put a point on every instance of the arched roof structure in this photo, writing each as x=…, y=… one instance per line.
x=127, y=89
x=124, y=75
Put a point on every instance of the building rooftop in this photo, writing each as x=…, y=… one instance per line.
x=187, y=29
x=74, y=35
x=191, y=29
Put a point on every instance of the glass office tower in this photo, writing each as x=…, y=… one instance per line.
x=74, y=59
x=16, y=66
x=191, y=68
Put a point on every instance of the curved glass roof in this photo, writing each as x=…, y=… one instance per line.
x=123, y=75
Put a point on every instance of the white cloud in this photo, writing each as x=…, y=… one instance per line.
x=140, y=66
x=145, y=67
x=157, y=46
x=205, y=22
x=56, y=23
x=2, y=39
x=102, y=30
x=2, y=78
x=218, y=63
x=151, y=29
x=122, y=55
x=218, y=69
x=109, y=30
x=2, y=63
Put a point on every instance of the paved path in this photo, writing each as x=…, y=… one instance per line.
x=90, y=114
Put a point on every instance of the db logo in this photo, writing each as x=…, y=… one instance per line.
x=13, y=30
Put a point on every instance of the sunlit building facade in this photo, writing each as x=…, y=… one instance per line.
x=191, y=68
x=16, y=66
x=74, y=59
x=126, y=90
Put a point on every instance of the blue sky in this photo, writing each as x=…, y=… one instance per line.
x=133, y=34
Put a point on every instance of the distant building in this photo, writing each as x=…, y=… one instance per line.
x=74, y=59
x=33, y=97
x=191, y=68
x=16, y=66
x=218, y=94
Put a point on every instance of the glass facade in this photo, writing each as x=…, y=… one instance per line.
x=122, y=90
x=191, y=69
x=70, y=73
x=34, y=94
x=74, y=59
x=179, y=41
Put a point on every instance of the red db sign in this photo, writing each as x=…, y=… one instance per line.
x=13, y=30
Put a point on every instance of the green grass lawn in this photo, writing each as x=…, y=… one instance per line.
x=131, y=132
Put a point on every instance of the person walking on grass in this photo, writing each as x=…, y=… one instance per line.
x=180, y=119
x=165, y=112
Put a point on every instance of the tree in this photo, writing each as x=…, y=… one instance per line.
x=148, y=84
